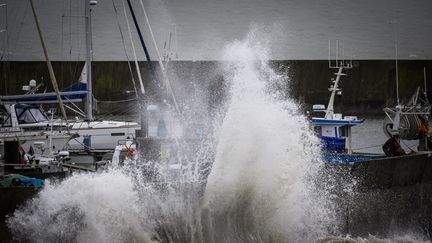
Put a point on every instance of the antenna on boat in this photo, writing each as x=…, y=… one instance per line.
x=170, y=45
x=393, y=22
x=424, y=78
x=334, y=88
x=338, y=61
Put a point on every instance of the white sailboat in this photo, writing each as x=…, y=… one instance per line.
x=97, y=135
x=92, y=135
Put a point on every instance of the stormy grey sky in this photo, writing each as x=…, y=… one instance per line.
x=294, y=29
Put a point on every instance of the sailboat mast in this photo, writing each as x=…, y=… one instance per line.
x=152, y=70
x=396, y=61
x=50, y=68
x=143, y=103
x=89, y=54
x=164, y=74
x=424, y=79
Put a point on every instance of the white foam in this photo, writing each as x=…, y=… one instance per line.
x=266, y=152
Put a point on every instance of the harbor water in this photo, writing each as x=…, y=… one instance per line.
x=257, y=178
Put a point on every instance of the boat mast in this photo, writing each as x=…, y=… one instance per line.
x=50, y=68
x=142, y=100
x=152, y=70
x=135, y=56
x=397, y=71
x=89, y=54
x=394, y=22
x=424, y=79
x=334, y=88
x=164, y=74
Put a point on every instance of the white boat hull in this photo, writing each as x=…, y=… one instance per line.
x=59, y=141
x=101, y=135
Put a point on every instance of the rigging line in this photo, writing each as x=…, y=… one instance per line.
x=2, y=39
x=164, y=75
x=409, y=147
x=85, y=146
x=116, y=101
x=133, y=50
x=6, y=46
x=124, y=48
x=62, y=29
x=70, y=31
x=50, y=69
x=372, y=146
x=21, y=25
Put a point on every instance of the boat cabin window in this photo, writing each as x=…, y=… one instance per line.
x=343, y=131
x=29, y=114
x=5, y=118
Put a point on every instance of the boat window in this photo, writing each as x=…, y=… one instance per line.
x=5, y=118
x=29, y=115
x=24, y=116
x=5, y=121
x=343, y=131
x=38, y=115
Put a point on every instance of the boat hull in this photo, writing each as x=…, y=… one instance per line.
x=59, y=140
x=101, y=135
x=384, y=196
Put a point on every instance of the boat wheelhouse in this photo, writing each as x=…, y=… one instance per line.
x=336, y=133
x=334, y=129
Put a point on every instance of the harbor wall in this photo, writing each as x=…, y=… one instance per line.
x=368, y=87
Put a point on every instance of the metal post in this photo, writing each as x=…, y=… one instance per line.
x=89, y=52
x=396, y=62
x=349, y=140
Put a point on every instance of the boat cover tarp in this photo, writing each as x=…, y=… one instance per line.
x=74, y=94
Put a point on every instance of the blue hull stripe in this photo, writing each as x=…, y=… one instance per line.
x=339, y=122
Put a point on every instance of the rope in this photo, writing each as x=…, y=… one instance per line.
x=115, y=101
x=406, y=145
x=124, y=49
x=21, y=24
x=165, y=77
x=373, y=146
x=83, y=144
x=133, y=50
x=166, y=80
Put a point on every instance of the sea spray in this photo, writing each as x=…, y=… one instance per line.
x=261, y=186
x=84, y=208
